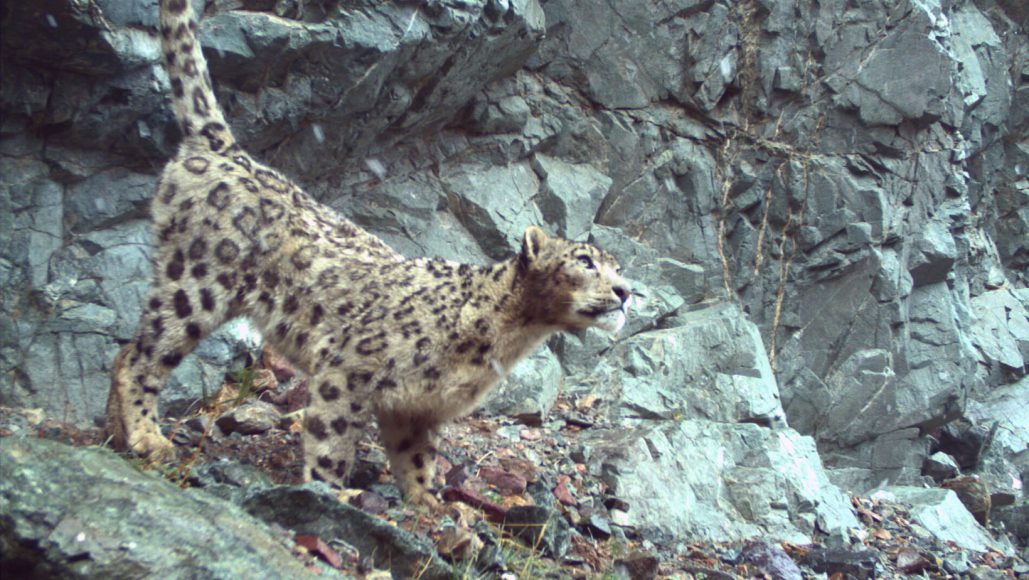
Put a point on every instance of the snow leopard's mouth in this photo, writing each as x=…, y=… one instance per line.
x=598, y=311
x=608, y=318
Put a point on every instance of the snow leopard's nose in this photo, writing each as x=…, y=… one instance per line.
x=622, y=291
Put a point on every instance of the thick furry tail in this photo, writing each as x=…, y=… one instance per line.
x=193, y=100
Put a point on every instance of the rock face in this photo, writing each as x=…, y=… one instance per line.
x=732, y=469
x=850, y=175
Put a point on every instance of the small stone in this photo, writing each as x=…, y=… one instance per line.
x=538, y=526
x=530, y=434
x=562, y=493
x=638, y=566
x=33, y=416
x=956, y=563
x=366, y=472
x=249, y=418
x=522, y=467
x=494, y=511
x=615, y=503
x=370, y=502
x=620, y=518
x=185, y=438
x=920, y=531
x=387, y=491
x=229, y=472
x=771, y=559
x=511, y=432
x=596, y=526
x=982, y=572
x=200, y=424
x=491, y=557
x=910, y=561
x=457, y=475
x=458, y=543
x=507, y=483
x=847, y=563
x=580, y=454
x=318, y=547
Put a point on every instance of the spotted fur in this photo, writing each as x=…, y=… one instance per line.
x=411, y=343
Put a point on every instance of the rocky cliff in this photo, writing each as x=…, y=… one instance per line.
x=826, y=204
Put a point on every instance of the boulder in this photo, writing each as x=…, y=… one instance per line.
x=313, y=509
x=941, y=513
x=711, y=365
x=718, y=481
x=120, y=522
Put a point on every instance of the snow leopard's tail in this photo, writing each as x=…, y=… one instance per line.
x=193, y=100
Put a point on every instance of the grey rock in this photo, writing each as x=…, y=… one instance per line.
x=499, y=112
x=92, y=206
x=850, y=563
x=1015, y=519
x=770, y=559
x=926, y=92
x=529, y=391
x=314, y=509
x=941, y=513
x=717, y=481
x=1001, y=329
x=895, y=457
x=940, y=466
x=539, y=527
x=495, y=205
x=227, y=479
x=408, y=45
x=639, y=565
x=570, y=195
x=1004, y=463
x=404, y=210
x=121, y=522
x=250, y=418
x=688, y=280
x=863, y=394
x=713, y=366
x=957, y=563
x=984, y=572
x=933, y=255
x=596, y=526
x=32, y=211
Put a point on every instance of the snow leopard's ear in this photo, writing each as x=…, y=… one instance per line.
x=532, y=244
